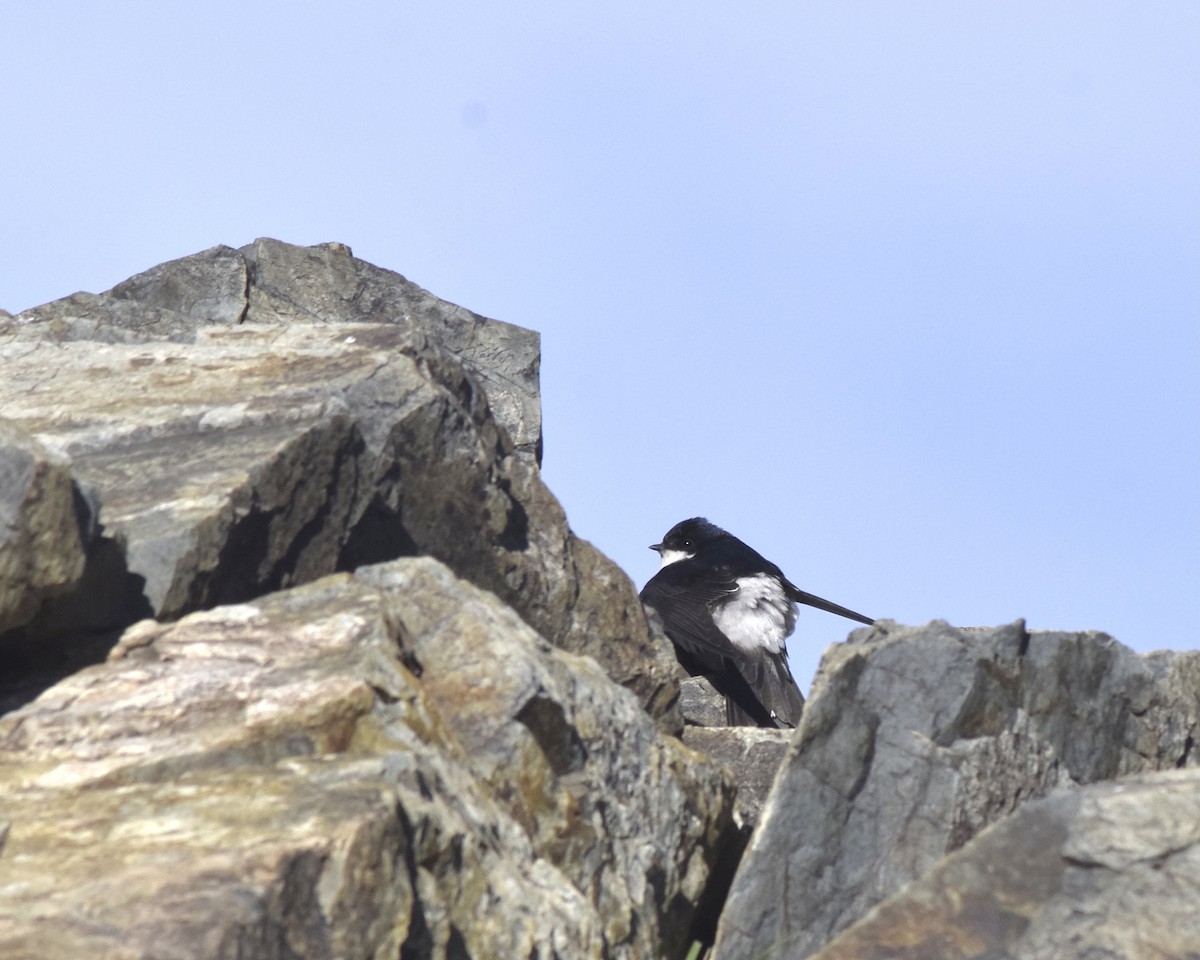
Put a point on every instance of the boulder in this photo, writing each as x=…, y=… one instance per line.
x=916, y=739
x=242, y=434
x=700, y=703
x=753, y=756
x=271, y=282
x=1107, y=872
x=386, y=764
x=45, y=526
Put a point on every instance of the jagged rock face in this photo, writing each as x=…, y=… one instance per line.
x=233, y=450
x=41, y=538
x=916, y=739
x=414, y=759
x=1108, y=872
x=379, y=701
x=382, y=765
x=269, y=282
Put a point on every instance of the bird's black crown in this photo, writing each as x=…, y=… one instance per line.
x=686, y=534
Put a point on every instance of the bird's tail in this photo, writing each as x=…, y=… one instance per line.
x=775, y=700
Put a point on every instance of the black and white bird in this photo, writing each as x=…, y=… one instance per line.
x=728, y=610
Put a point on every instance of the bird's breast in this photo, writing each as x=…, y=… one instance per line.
x=758, y=617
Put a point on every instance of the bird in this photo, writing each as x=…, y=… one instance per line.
x=728, y=610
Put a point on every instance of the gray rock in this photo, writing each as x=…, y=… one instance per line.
x=390, y=764
x=753, y=756
x=234, y=458
x=915, y=739
x=167, y=302
x=572, y=758
x=223, y=470
x=326, y=284
x=701, y=704
x=1107, y=871
x=42, y=538
x=269, y=282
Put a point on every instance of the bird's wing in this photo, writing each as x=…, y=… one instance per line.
x=683, y=603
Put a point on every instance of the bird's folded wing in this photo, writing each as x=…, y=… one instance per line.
x=684, y=610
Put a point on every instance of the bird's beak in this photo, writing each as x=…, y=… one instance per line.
x=829, y=607
x=656, y=547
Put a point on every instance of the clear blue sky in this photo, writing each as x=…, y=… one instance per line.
x=905, y=295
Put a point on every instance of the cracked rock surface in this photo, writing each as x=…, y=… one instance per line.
x=298, y=655
x=1107, y=872
x=915, y=739
x=250, y=420
x=376, y=765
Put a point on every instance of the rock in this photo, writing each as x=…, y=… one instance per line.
x=167, y=302
x=44, y=527
x=753, y=756
x=636, y=821
x=385, y=764
x=915, y=739
x=243, y=435
x=326, y=284
x=269, y=282
x=701, y=704
x=1108, y=871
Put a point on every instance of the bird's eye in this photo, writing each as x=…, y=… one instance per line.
x=687, y=544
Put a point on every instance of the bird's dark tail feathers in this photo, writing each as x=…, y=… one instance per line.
x=764, y=693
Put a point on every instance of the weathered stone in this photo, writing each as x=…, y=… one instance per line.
x=326, y=284
x=1107, y=871
x=275, y=773
x=915, y=739
x=753, y=755
x=225, y=468
x=257, y=457
x=167, y=302
x=278, y=283
x=251, y=456
x=701, y=704
x=636, y=821
x=42, y=533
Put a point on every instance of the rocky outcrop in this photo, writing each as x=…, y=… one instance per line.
x=300, y=658
x=1109, y=872
x=42, y=540
x=273, y=283
x=916, y=739
x=459, y=745
x=232, y=457
x=366, y=766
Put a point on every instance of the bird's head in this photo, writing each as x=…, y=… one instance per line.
x=686, y=538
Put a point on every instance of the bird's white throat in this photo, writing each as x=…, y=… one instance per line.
x=673, y=556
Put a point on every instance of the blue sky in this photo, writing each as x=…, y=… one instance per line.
x=905, y=295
